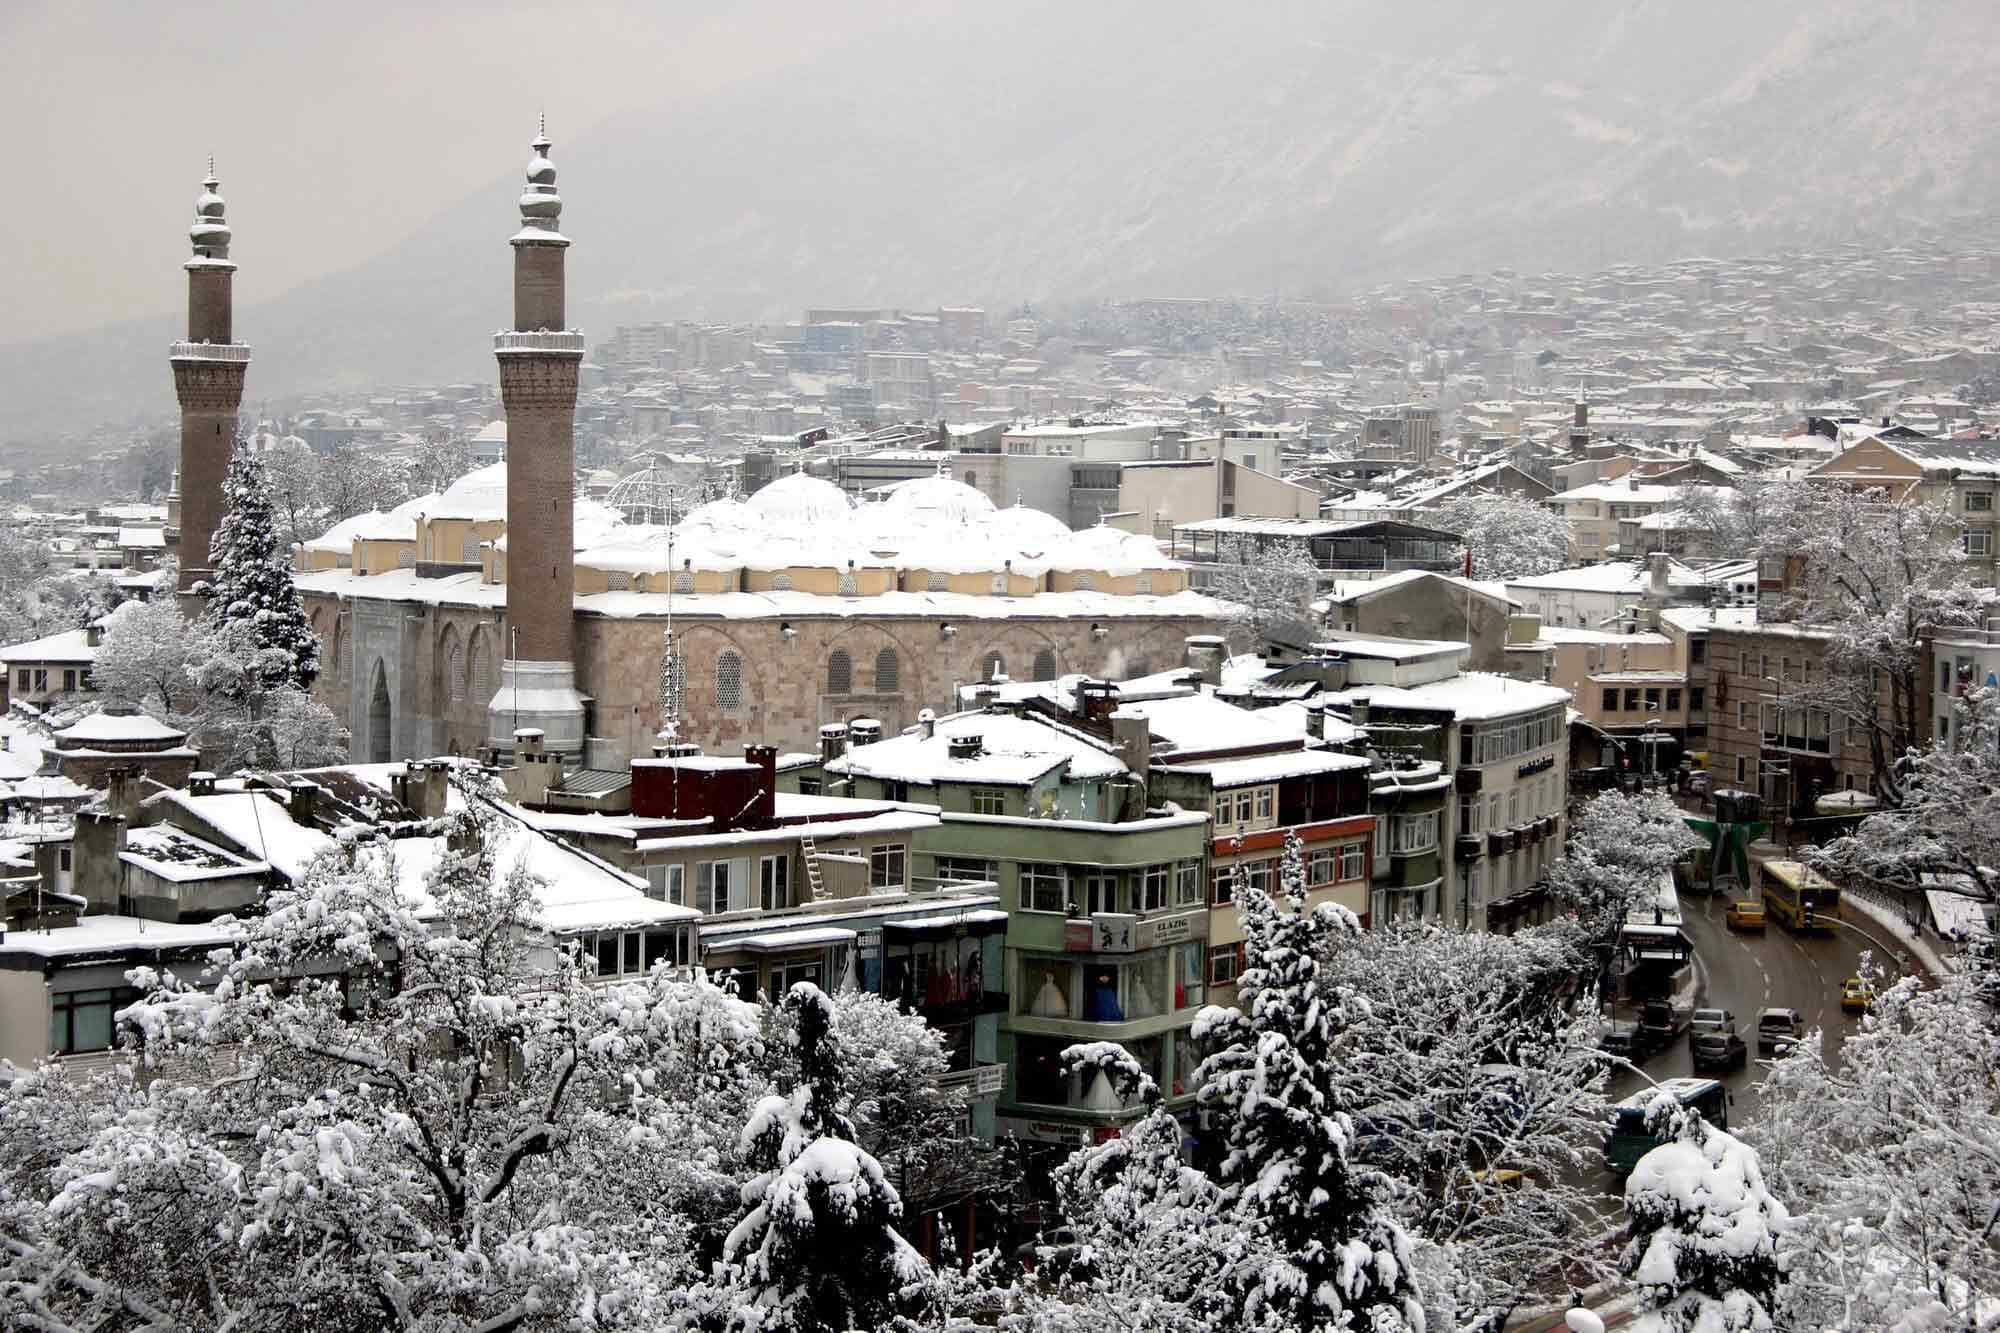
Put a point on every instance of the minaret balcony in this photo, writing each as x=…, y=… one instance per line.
x=545, y=342
x=186, y=351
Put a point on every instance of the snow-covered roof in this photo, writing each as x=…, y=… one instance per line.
x=125, y=728
x=1614, y=576
x=802, y=503
x=72, y=645
x=180, y=857
x=1470, y=696
x=479, y=494
x=1014, y=751
x=1275, y=767
x=110, y=933
x=260, y=825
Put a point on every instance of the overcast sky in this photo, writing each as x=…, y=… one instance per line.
x=336, y=128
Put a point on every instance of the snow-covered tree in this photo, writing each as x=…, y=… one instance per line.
x=1871, y=575
x=893, y=1064
x=1271, y=588
x=148, y=655
x=1154, y=1249
x=246, y=713
x=1340, y=1259
x=442, y=459
x=1508, y=536
x=1705, y=1232
x=1948, y=822
x=818, y=1250
x=399, y=1108
x=296, y=479
x=1619, y=848
x=1891, y=1159
x=1474, y=1058
x=37, y=599
x=251, y=583
x=354, y=482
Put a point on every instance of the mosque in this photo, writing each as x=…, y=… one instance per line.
x=505, y=603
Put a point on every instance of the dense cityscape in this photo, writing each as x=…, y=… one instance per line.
x=1466, y=806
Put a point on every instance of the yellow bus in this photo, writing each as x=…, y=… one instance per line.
x=1796, y=897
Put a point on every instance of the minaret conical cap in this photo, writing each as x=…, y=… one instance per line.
x=541, y=206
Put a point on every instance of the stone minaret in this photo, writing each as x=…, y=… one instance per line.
x=539, y=358
x=208, y=381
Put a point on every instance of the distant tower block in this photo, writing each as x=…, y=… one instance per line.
x=538, y=359
x=208, y=380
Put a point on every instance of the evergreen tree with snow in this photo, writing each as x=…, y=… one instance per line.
x=251, y=580
x=1703, y=1250
x=1341, y=1259
x=818, y=1250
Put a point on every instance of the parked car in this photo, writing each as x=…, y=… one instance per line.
x=1660, y=1024
x=1719, y=1048
x=1620, y=1037
x=1778, y=1030
x=1711, y=1020
x=1745, y=915
x=1856, y=994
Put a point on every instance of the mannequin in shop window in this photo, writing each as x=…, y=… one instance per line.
x=1100, y=999
x=1049, y=1001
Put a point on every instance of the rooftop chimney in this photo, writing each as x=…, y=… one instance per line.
x=1134, y=740
x=200, y=783
x=863, y=731
x=764, y=804
x=1656, y=579
x=926, y=723
x=832, y=741
x=1204, y=654
x=966, y=747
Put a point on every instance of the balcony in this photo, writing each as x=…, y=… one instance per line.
x=976, y=1082
x=558, y=342
x=186, y=351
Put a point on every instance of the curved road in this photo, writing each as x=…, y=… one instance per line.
x=1748, y=972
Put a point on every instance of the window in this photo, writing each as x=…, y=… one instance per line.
x=937, y=581
x=1353, y=861
x=1243, y=807
x=1469, y=810
x=1143, y=584
x=1979, y=502
x=1225, y=964
x=1414, y=833
x=711, y=887
x=848, y=585
x=1044, y=887
x=25, y=678
x=81, y=1020
x=774, y=876
x=888, y=672
x=1187, y=884
x=886, y=867
x=1632, y=701
x=964, y=870
x=1739, y=770
x=729, y=681
x=972, y=479
x=1222, y=885
x=1261, y=876
x=684, y=581
x=994, y=667
x=454, y=669
x=1653, y=698
x=1100, y=893
x=839, y=673
x=1045, y=664
x=1320, y=865
x=1697, y=651
x=1611, y=701
x=69, y=682
x=1673, y=701
x=1697, y=698
x=1742, y=712
x=1979, y=543
x=666, y=883
x=1264, y=802
x=989, y=801
x=809, y=786
x=781, y=582
x=1153, y=889
x=1086, y=582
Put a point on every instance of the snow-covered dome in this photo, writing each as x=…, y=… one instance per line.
x=210, y=234
x=480, y=494
x=724, y=515
x=938, y=500
x=798, y=503
x=1033, y=530
x=1108, y=550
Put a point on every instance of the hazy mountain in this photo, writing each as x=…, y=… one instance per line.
x=1044, y=151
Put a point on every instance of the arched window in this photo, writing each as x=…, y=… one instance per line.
x=729, y=681
x=993, y=668
x=888, y=672
x=839, y=673
x=485, y=673
x=451, y=665
x=1045, y=664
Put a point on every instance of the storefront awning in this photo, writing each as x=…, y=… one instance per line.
x=977, y=921
x=782, y=941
